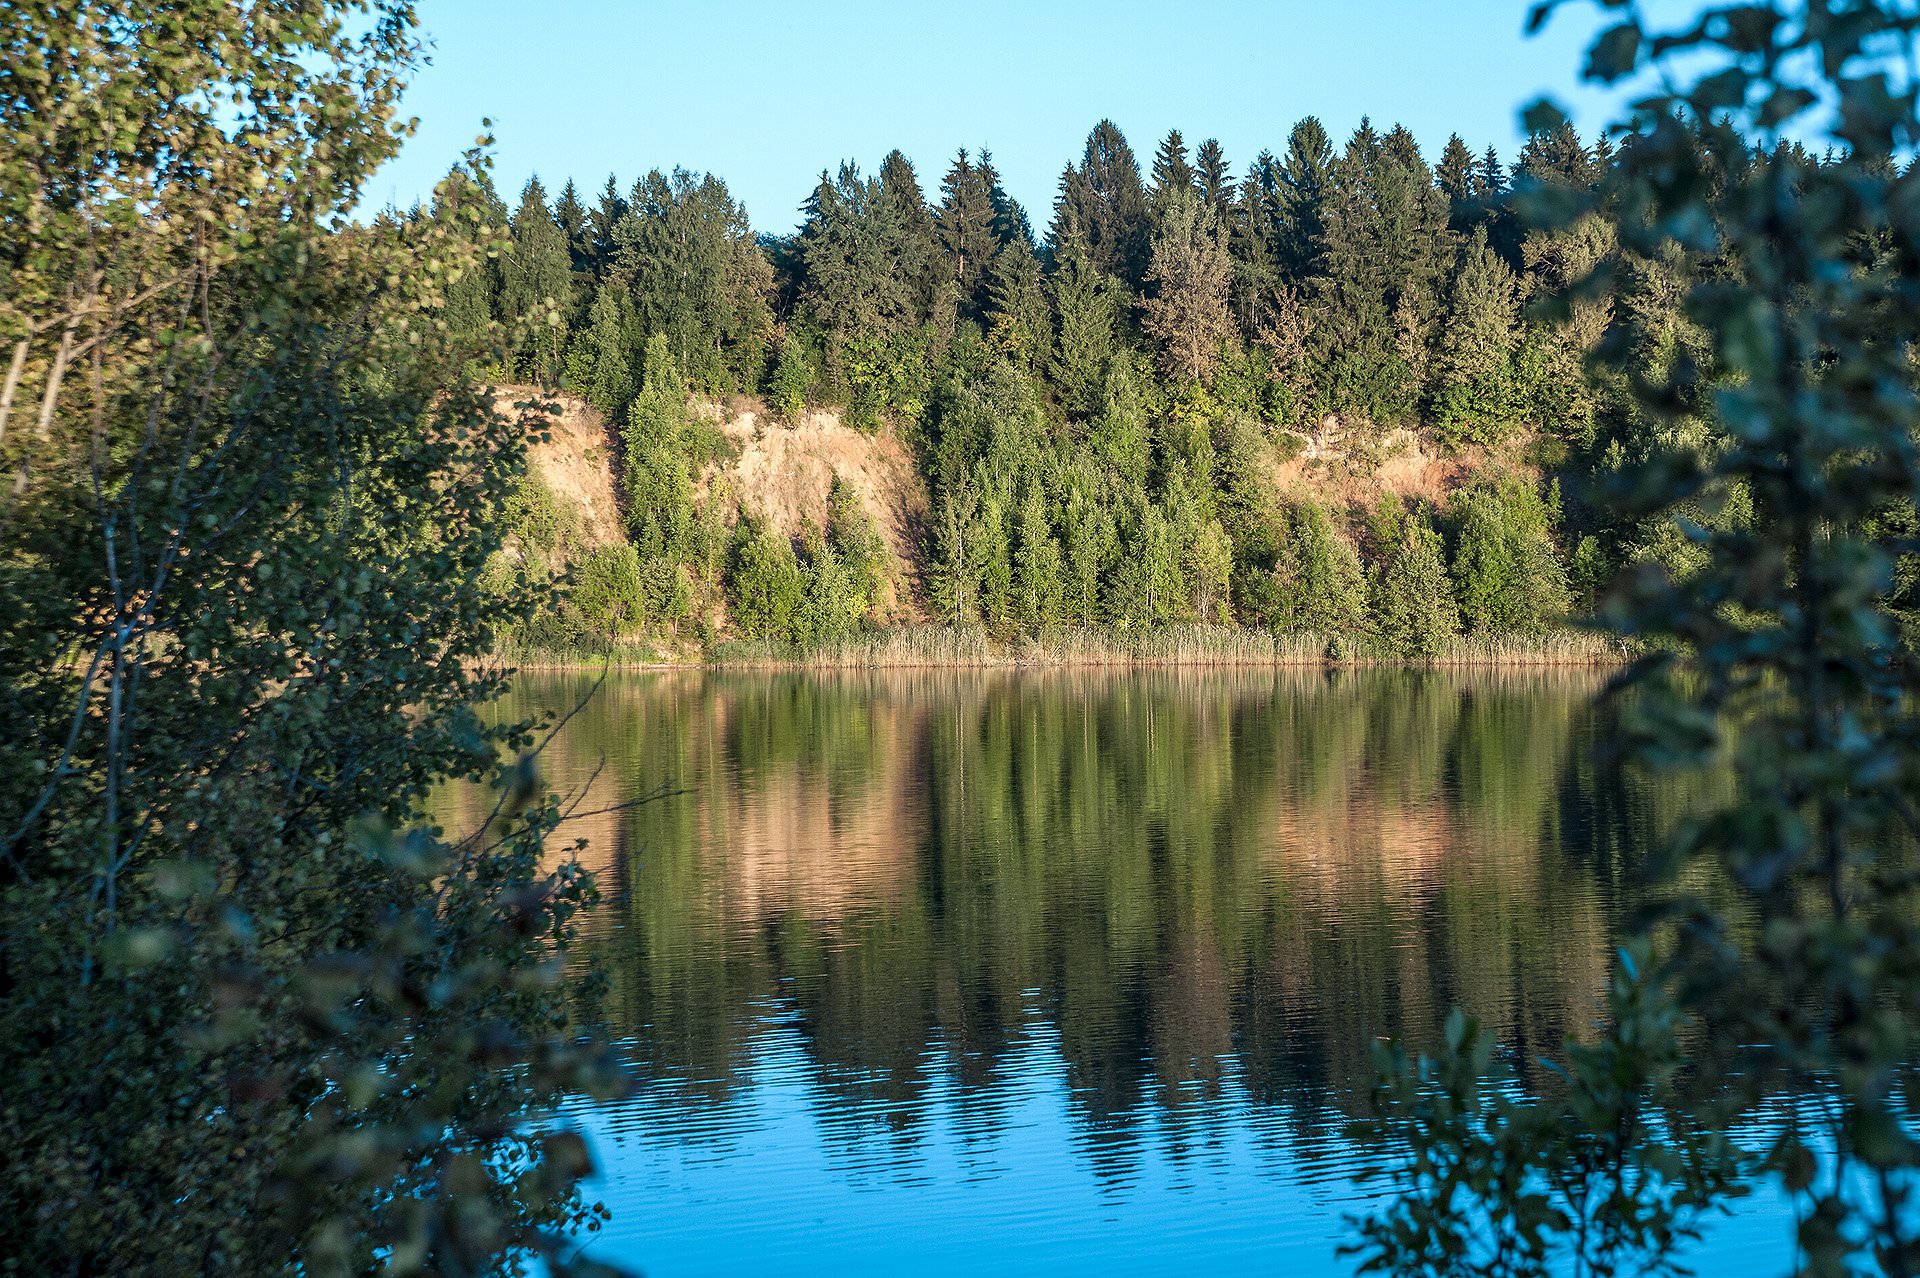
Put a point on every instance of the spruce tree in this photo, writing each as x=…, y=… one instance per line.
x=1038, y=565
x=1104, y=203
x=1299, y=215
x=1086, y=319
x=600, y=369
x=1457, y=173
x=1019, y=320
x=1119, y=434
x=1321, y=587
x=1010, y=224
x=659, y=487
x=698, y=277
x=537, y=288
x=847, y=280
x=1172, y=174
x=601, y=219
x=964, y=230
x=1472, y=397
x=570, y=215
x=1213, y=177
x=1507, y=574
x=906, y=225
x=1413, y=608
x=1186, y=309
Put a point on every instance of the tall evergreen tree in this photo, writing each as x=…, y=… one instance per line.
x=1104, y=205
x=601, y=219
x=1213, y=177
x=570, y=215
x=965, y=231
x=1299, y=192
x=698, y=277
x=1019, y=320
x=537, y=289
x=599, y=368
x=907, y=226
x=1472, y=392
x=1172, y=175
x=1186, y=309
x=848, y=283
x=1412, y=601
x=1087, y=313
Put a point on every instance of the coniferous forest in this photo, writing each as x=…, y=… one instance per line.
x=1098, y=410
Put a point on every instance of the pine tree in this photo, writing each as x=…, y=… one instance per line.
x=1119, y=433
x=599, y=368
x=857, y=542
x=1558, y=156
x=1019, y=321
x=964, y=230
x=659, y=487
x=1087, y=316
x=698, y=277
x=1213, y=177
x=1507, y=574
x=1322, y=588
x=1186, y=310
x=1413, y=608
x=1103, y=204
x=601, y=220
x=1172, y=174
x=765, y=584
x=537, y=288
x=907, y=227
x=1473, y=390
x=1300, y=194
x=1038, y=565
x=1457, y=174
x=570, y=215
x=847, y=281
x=1010, y=225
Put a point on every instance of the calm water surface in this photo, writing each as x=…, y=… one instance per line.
x=1069, y=972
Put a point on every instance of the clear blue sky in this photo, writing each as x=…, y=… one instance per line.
x=766, y=94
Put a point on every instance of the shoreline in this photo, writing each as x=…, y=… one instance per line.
x=1197, y=647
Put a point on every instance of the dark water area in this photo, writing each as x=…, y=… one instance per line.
x=1070, y=972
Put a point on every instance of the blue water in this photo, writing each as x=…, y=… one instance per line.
x=1051, y=974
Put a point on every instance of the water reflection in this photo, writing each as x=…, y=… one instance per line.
x=1094, y=956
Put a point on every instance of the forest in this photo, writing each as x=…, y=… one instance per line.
x=1098, y=414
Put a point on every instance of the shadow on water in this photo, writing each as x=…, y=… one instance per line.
x=1095, y=956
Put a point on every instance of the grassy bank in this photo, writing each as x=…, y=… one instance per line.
x=942, y=646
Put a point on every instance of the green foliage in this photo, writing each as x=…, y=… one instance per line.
x=793, y=377
x=1771, y=423
x=697, y=277
x=1186, y=308
x=598, y=368
x=1507, y=573
x=766, y=586
x=1320, y=585
x=258, y=1016
x=536, y=293
x=1472, y=394
x=1413, y=610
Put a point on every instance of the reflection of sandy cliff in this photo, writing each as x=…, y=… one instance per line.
x=795, y=839
x=1179, y=870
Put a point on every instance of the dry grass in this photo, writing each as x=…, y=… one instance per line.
x=1161, y=646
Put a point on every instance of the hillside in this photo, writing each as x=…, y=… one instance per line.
x=779, y=476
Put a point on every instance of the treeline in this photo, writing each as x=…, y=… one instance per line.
x=1099, y=414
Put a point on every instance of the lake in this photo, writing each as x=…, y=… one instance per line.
x=1070, y=972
